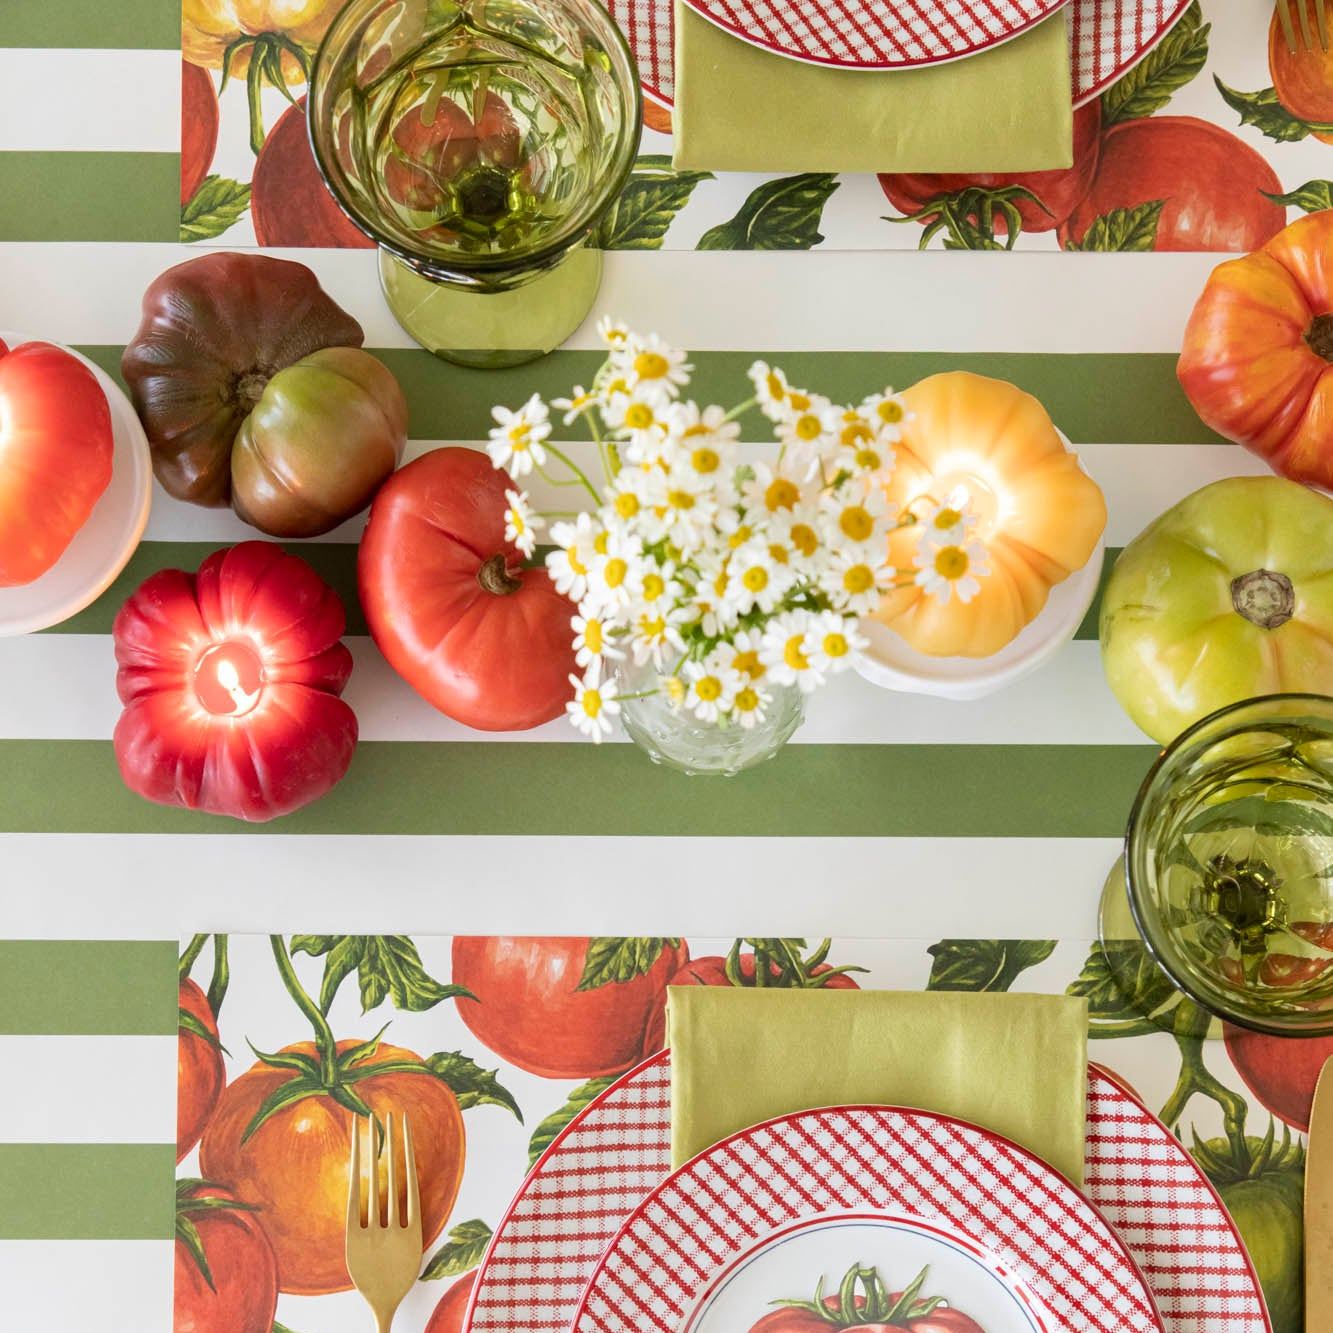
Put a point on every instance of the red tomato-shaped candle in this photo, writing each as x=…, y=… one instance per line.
x=56, y=443
x=449, y=603
x=230, y=680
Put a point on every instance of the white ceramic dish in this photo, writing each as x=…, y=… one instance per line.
x=103, y=546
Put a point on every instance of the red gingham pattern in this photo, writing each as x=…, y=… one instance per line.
x=1107, y=37
x=611, y=1156
x=714, y=1209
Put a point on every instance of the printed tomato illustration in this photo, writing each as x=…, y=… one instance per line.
x=293, y=1162
x=785, y=968
x=567, y=1007
x=1211, y=185
x=448, y=1314
x=226, y=1278
x=199, y=1069
x=199, y=127
x=1280, y=1071
x=862, y=1303
x=289, y=202
x=1057, y=192
x=1302, y=80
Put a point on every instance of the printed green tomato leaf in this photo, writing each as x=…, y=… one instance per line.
x=187, y=1022
x=1123, y=229
x=984, y=965
x=780, y=214
x=461, y=1252
x=1121, y=983
x=217, y=204
x=546, y=1133
x=648, y=204
x=1266, y=113
x=615, y=958
x=1149, y=86
x=471, y=1084
x=1312, y=197
x=387, y=966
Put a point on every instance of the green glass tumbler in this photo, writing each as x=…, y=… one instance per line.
x=1229, y=863
x=479, y=143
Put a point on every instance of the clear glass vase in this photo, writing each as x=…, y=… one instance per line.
x=479, y=143
x=670, y=734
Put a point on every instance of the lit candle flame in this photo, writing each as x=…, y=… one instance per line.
x=230, y=680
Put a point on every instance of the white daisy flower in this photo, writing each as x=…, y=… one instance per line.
x=660, y=586
x=749, y=704
x=655, y=636
x=579, y=401
x=572, y=562
x=796, y=534
x=771, y=490
x=887, y=412
x=629, y=495
x=680, y=508
x=808, y=434
x=862, y=449
x=712, y=687
x=655, y=368
x=755, y=580
x=707, y=603
x=640, y=420
x=775, y=395
x=705, y=438
x=616, y=574
x=855, y=579
x=744, y=654
x=521, y=524
x=953, y=569
x=594, y=704
x=856, y=519
x=950, y=523
x=613, y=332
x=784, y=651
x=516, y=438
x=832, y=642
x=593, y=636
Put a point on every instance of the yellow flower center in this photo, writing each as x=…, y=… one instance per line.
x=592, y=702
x=627, y=504
x=774, y=386
x=805, y=540
x=835, y=645
x=704, y=460
x=749, y=663
x=798, y=400
x=708, y=688
x=808, y=427
x=516, y=520
x=740, y=536
x=856, y=523
x=951, y=562
x=792, y=654
x=680, y=499
x=781, y=494
x=868, y=460
x=947, y=518
x=778, y=552
x=855, y=430
x=652, y=629
x=746, y=700
x=651, y=365
x=755, y=578
x=600, y=542
x=518, y=437
x=577, y=565
x=675, y=689
x=654, y=585
x=720, y=584
x=890, y=412
x=615, y=572
x=858, y=578
x=639, y=416
x=592, y=635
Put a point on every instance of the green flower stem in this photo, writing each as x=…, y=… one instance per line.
x=741, y=410
x=578, y=472
x=325, y=1041
x=192, y=952
x=1190, y=1029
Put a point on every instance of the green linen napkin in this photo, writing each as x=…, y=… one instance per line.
x=740, y=108
x=1016, y=1064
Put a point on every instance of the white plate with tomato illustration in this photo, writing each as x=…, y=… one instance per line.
x=616, y=1151
x=723, y=1240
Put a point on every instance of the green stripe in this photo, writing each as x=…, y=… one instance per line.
x=87, y=987
x=90, y=196
x=460, y=788
x=1096, y=398
x=124, y=24
x=335, y=562
x=78, y=1191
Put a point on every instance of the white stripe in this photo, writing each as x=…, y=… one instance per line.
x=68, y=1286
x=163, y=886
x=60, y=1076
x=1138, y=480
x=750, y=301
x=91, y=101
x=62, y=687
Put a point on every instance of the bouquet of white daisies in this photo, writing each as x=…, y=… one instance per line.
x=719, y=579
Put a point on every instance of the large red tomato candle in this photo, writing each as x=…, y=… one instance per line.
x=231, y=680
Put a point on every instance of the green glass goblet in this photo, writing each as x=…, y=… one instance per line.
x=479, y=143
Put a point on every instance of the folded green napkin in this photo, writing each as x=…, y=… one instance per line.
x=1016, y=1064
x=740, y=108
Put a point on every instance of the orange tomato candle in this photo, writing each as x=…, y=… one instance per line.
x=985, y=445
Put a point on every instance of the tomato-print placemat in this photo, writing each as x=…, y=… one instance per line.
x=494, y=1045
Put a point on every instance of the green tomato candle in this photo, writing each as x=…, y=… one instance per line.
x=1226, y=596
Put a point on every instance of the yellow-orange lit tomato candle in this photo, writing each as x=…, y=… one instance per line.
x=1034, y=515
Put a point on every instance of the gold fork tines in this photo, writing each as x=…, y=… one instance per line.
x=383, y=1243
x=1306, y=43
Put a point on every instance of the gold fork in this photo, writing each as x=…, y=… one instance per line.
x=384, y=1251
x=1303, y=13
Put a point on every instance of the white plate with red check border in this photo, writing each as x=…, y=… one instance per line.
x=1106, y=37
x=616, y=1151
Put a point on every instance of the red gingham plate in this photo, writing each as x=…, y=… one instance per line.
x=1107, y=37
x=673, y=1258
x=607, y=1160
